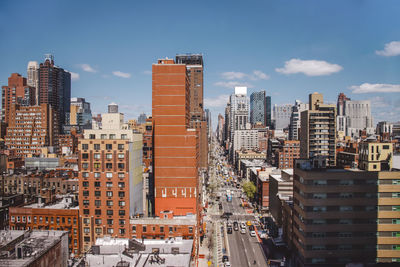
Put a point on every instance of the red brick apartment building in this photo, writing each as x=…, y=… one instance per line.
x=176, y=148
x=287, y=154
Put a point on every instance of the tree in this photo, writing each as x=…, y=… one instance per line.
x=249, y=189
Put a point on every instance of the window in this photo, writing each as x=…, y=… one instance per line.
x=144, y=229
x=109, y=165
x=110, y=212
x=120, y=146
x=124, y=136
x=97, y=193
x=112, y=136
x=97, y=175
x=121, y=203
x=85, y=193
x=86, y=239
x=346, y=208
x=134, y=229
x=108, y=146
x=97, y=203
x=92, y=136
x=121, y=194
x=109, y=174
x=86, y=230
x=98, y=231
x=96, y=165
x=161, y=229
x=109, y=184
x=110, y=221
x=85, y=155
x=86, y=211
x=121, y=155
x=85, y=174
x=85, y=202
x=121, y=165
x=97, y=212
x=108, y=156
x=109, y=203
x=121, y=175
x=122, y=231
x=121, y=184
x=85, y=184
x=97, y=184
x=103, y=136
x=170, y=229
x=121, y=222
x=97, y=155
x=96, y=146
x=121, y=212
x=385, y=147
x=85, y=165
x=85, y=146
x=86, y=220
x=97, y=221
x=190, y=230
x=109, y=193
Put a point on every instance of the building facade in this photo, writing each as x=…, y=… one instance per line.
x=295, y=121
x=282, y=115
x=286, y=155
x=258, y=108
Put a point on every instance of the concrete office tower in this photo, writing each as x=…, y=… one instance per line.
x=55, y=89
x=112, y=108
x=258, y=108
x=384, y=127
x=220, y=128
x=318, y=130
x=353, y=116
x=239, y=114
x=227, y=128
x=295, y=122
x=282, y=115
x=30, y=129
x=175, y=144
x=268, y=117
x=110, y=181
x=142, y=118
x=80, y=113
x=194, y=66
x=33, y=78
x=17, y=92
x=245, y=139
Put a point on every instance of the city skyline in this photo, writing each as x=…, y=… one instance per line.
x=274, y=48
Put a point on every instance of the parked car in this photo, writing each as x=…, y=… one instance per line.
x=225, y=258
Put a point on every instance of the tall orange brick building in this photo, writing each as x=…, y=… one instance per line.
x=176, y=148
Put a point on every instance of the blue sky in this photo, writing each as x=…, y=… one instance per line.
x=288, y=48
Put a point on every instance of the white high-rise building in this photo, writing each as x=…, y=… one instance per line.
x=245, y=139
x=354, y=116
x=282, y=115
x=33, y=77
x=295, y=121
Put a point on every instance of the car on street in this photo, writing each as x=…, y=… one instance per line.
x=242, y=230
x=252, y=233
x=235, y=226
x=227, y=264
x=242, y=225
x=248, y=223
x=225, y=258
x=229, y=230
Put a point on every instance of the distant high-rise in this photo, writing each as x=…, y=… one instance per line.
x=80, y=114
x=175, y=144
x=142, y=118
x=16, y=92
x=258, y=108
x=55, y=89
x=353, y=116
x=295, y=122
x=268, y=117
x=318, y=130
x=220, y=128
x=282, y=115
x=33, y=78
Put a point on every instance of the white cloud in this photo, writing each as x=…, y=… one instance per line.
x=259, y=75
x=233, y=75
x=309, y=67
x=391, y=49
x=87, y=68
x=379, y=102
x=366, y=88
x=219, y=101
x=121, y=74
x=74, y=76
x=232, y=84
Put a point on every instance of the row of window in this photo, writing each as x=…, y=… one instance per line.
x=108, y=212
x=98, y=221
x=98, y=156
x=109, y=203
x=153, y=229
x=97, y=146
x=108, y=193
x=41, y=219
x=97, y=165
x=108, y=175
